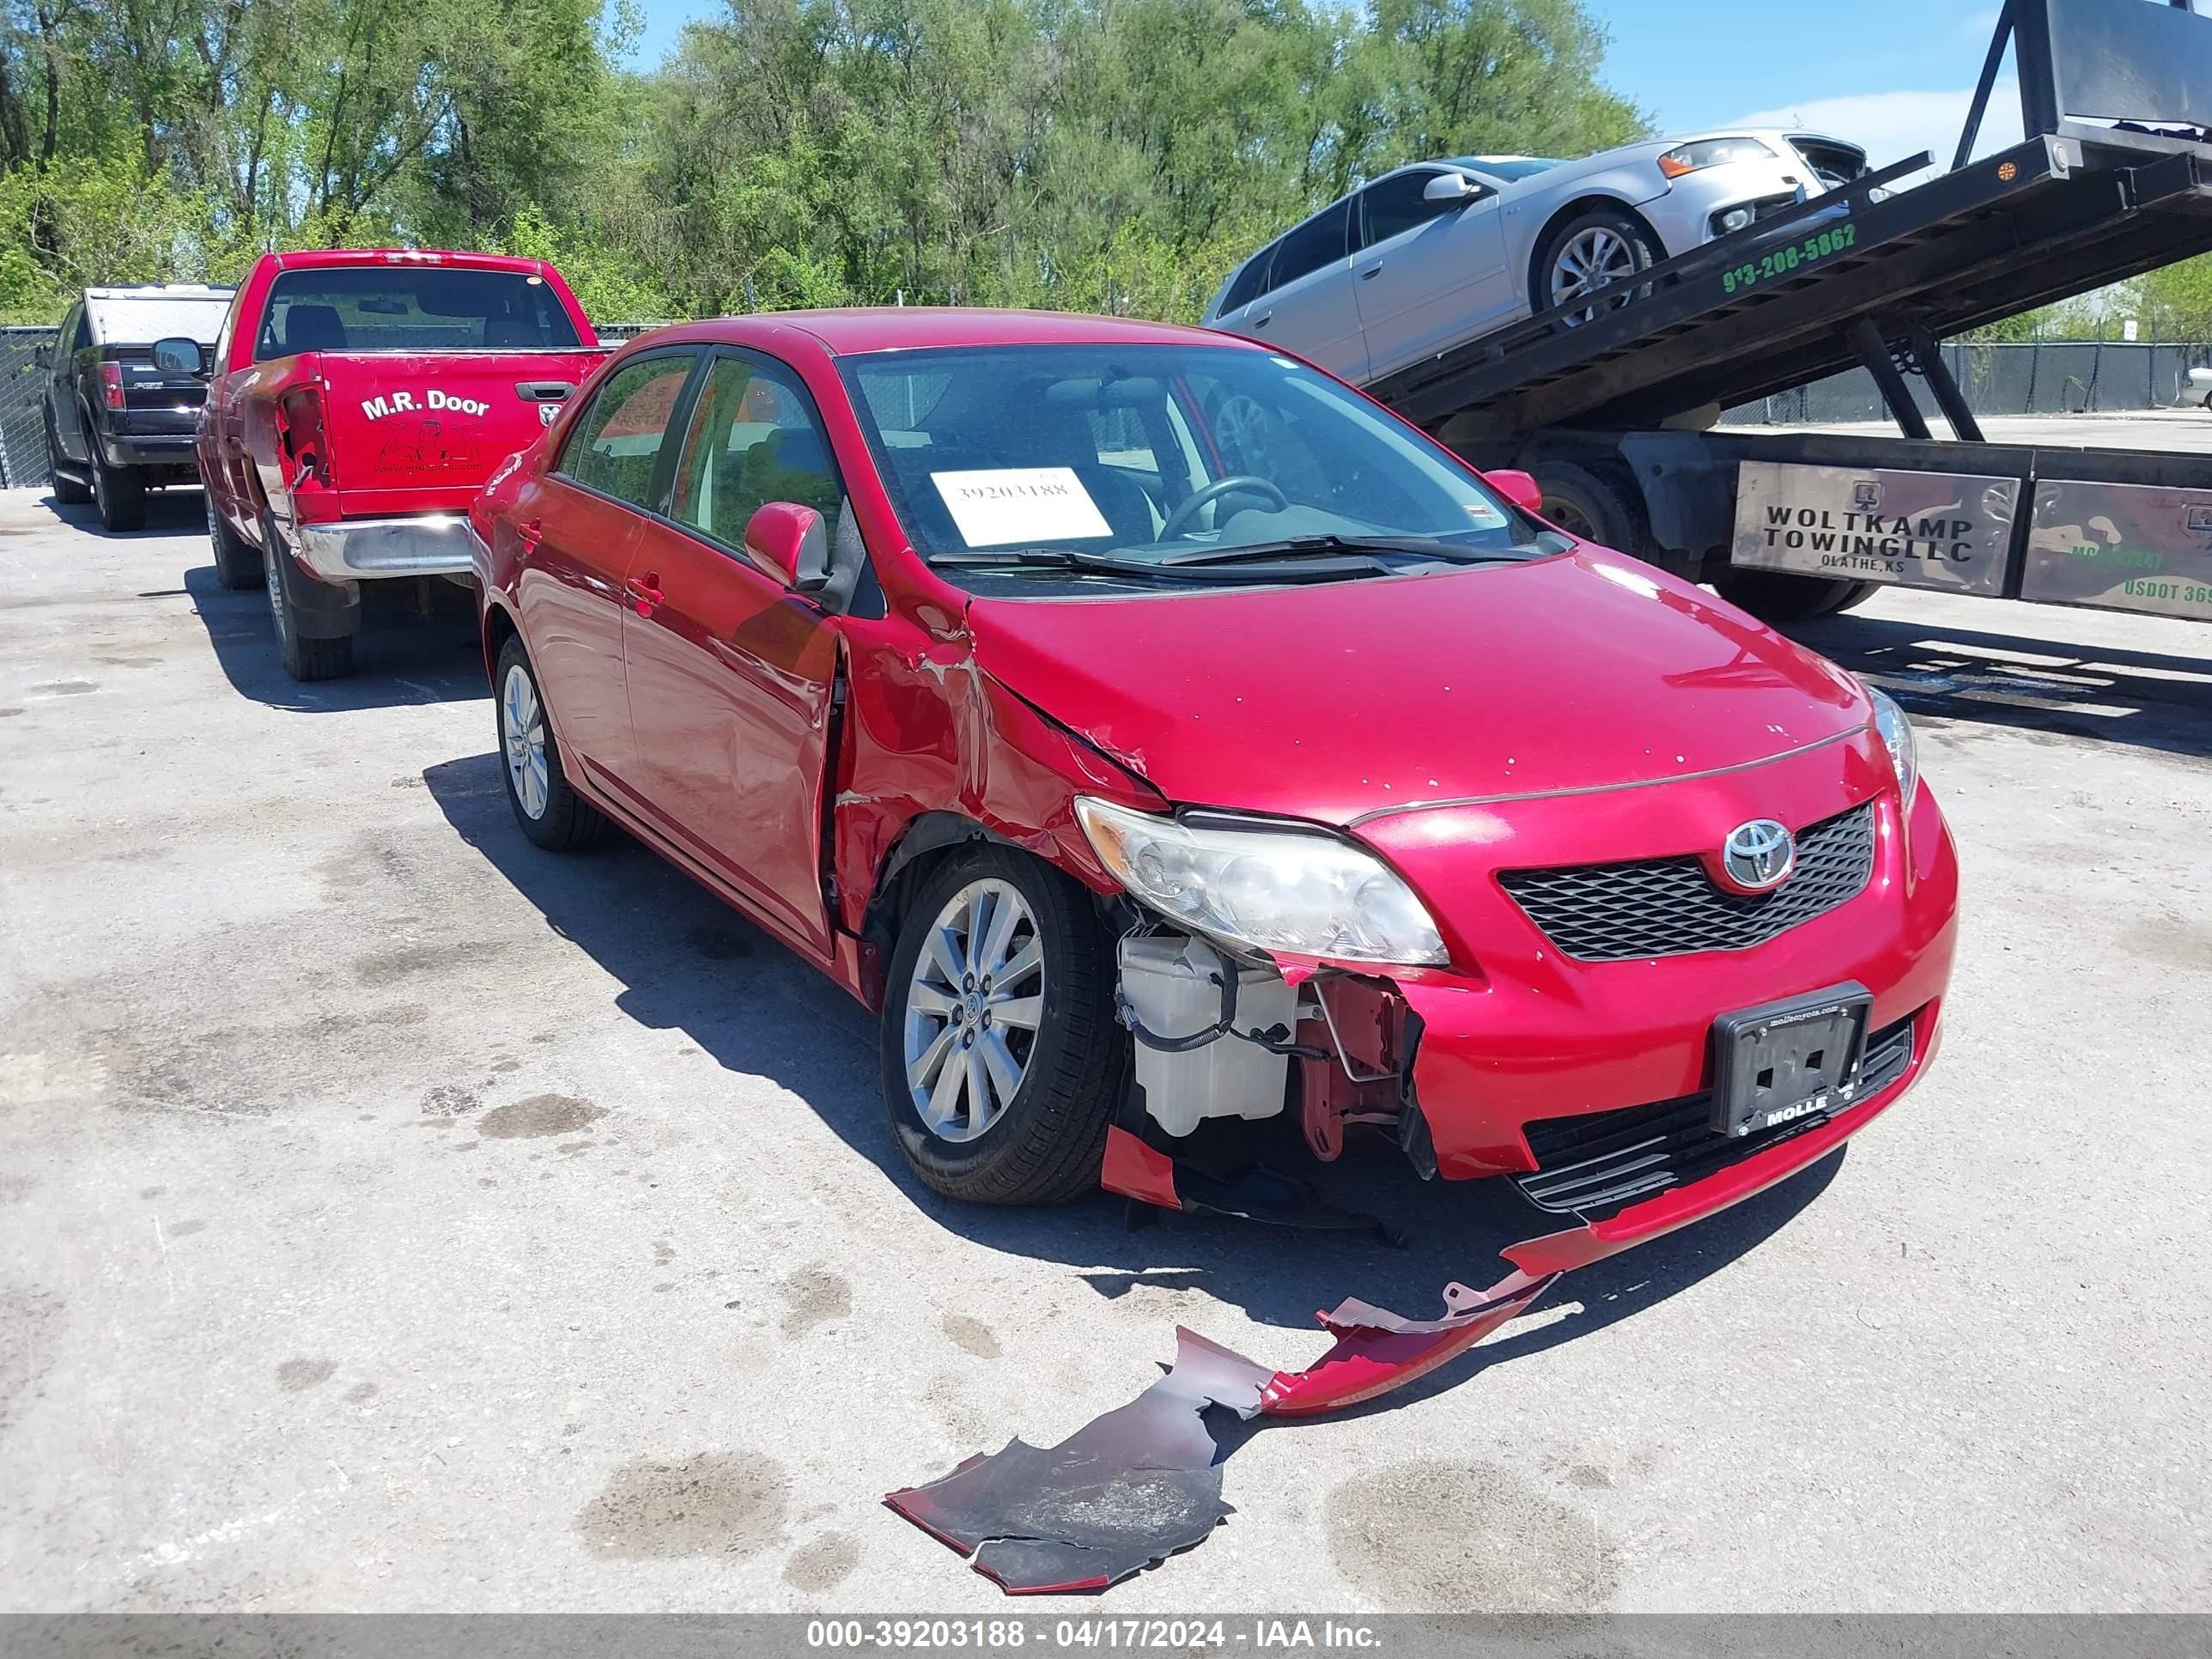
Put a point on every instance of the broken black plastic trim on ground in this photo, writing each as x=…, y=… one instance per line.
x=1123, y=1492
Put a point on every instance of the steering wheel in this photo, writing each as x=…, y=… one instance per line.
x=1179, y=521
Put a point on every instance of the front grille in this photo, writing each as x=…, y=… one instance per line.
x=1671, y=908
x=1601, y=1161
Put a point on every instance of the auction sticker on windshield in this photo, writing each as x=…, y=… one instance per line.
x=1005, y=505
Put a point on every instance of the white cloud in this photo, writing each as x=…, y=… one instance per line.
x=1891, y=126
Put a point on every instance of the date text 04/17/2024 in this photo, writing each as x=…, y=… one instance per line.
x=1257, y=1634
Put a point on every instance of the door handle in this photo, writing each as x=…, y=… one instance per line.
x=644, y=592
x=1263, y=319
x=1375, y=270
x=530, y=534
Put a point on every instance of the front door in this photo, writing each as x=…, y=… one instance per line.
x=731, y=672
x=580, y=522
x=1428, y=274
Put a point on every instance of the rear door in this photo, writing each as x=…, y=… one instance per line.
x=730, y=671
x=1308, y=307
x=578, y=523
x=1427, y=274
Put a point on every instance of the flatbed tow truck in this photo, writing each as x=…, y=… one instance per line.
x=1617, y=417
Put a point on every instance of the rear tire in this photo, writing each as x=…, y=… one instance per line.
x=237, y=562
x=1594, y=505
x=120, y=493
x=1603, y=241
x=304, y=660
x=545, y=804
x=1777, y=596
x=68, y=491
x=1048, y=1140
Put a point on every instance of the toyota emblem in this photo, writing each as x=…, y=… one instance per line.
x=1758, y=857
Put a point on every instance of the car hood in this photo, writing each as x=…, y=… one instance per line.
x=1335, y=701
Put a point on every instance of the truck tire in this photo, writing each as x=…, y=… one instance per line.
x=304, y=660
x=1777, y=596
x=1042, y=1143
x=69, y=492
x=546, y=805
x=118, y=492
x=237, y=562
x=1608, y=241
x=1594, y=504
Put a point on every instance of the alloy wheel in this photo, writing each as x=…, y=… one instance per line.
x=974, y=1003
x=1592, y=259
x=522, y=725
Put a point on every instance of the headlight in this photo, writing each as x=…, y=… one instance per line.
x=1274, y=889
x=1897, y=737
x=1711, y=152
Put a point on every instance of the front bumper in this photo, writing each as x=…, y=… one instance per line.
x=1526, y=1033
x=368, y=550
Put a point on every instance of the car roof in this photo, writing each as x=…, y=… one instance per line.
x=321, y=259
x=862, y=329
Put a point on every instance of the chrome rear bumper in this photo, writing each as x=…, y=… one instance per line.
x=368, y=550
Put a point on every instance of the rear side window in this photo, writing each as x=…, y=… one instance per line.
x=754, y=440
x=1314, y=244
x=616, y=446
x=1251, y=281
x=411, y=308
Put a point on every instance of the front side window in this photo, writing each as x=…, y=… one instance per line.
x=754, y=440
x=411, y=308
x=1162, y=458
x=1250, y=283
x=616, y=446
x=1396, y=205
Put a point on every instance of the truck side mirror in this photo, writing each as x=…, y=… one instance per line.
x=790, y=542
x=43, y=356
x=177, y=355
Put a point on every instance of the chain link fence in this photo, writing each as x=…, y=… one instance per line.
x=22, y=429
x=2034, y=377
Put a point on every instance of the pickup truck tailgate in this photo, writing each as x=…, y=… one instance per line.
x=420, y=433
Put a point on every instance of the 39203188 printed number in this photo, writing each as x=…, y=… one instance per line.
x=1781, y=261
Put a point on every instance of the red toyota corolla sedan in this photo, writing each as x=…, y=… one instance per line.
x=1157, y=731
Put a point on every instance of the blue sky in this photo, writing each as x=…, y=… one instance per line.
x=1892, y=75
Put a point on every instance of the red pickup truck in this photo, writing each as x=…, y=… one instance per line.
x=360, y=399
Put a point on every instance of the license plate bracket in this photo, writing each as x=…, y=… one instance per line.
x=1789, y=1059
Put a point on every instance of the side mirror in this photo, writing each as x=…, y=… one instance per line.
x=177, y=355
x=790, y=542
x=1450, y=187
x=1518, y=488
x=43, y=356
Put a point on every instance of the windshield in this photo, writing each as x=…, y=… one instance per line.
x=1510, y=170
x=1154, y=461
x=403, y=308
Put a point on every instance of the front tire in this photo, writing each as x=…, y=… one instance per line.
x=1593, y=504
x=1002, y=1063
x=546, y=805
x=68, y=491
x=1585, y=266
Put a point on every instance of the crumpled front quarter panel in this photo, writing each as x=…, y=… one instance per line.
x=926, y=731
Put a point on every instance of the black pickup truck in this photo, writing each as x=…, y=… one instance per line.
x=119, y=418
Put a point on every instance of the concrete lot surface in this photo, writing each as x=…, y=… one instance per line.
x=396, y=1217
